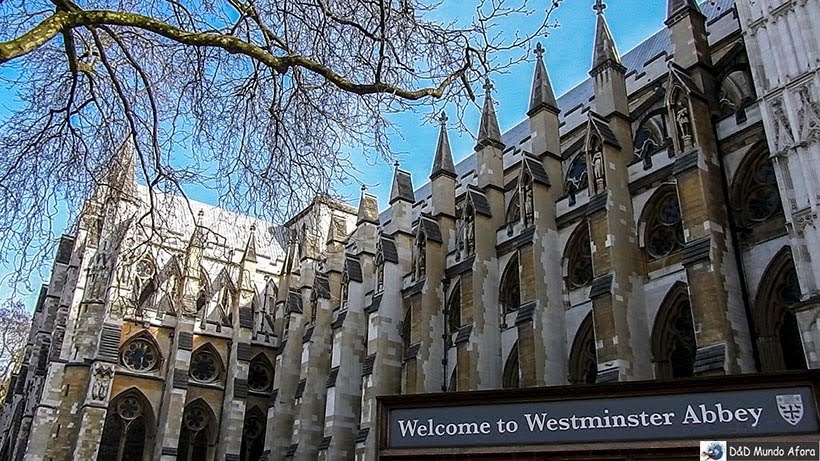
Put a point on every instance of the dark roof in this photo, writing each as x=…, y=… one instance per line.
x=604, y=49
x=480, y=202
x=374, y=304
x=340, y=320
x=542, y=94
x=464, y=334
x=602, y=128
x=389, y=251
x=367, y=368
x=331, y=377
x=443, y=160
x=536, y=169
x=368, y=209
x=321, y=286
x=294, y=301
x=354, y=269
x=488, y=132
x=430, y=228
x=402, y=188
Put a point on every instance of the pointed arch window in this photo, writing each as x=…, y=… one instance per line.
x=756, y=193
x=127, y=429
x=651, y=136
x=778, y=335
x=510, y=287
x=512, y=370
x=673, y=336
x=253, y=435
x=576, y=179
x=144, y=273
x=206, y=366
x=454, y=309
x=514, y=209
x=140, y=353
x=579, y=258
x=583, y=358
x=197, y=436
x=260, y=374
x=664, y=225
x=736, y=92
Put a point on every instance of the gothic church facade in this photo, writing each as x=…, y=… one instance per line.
x=655, y=222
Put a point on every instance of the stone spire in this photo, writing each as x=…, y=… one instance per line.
x=542, y=95
x=443, y=161
x=368, y=208
x=674, y=6
x=605, y=50
x=489, y=133
x=250, y=248
x=402, y=188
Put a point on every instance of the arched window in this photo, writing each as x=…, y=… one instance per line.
x=579, y=258
x=736, y=92
x=576, y=179
x=454, y=309
x=651, y=136
x=253, y=435
x=756, y=195
x=510, y=287
x=778, y=335
x=583, y=359
x=206, y=366
x=514, y=209
x=144, y=287
x=673, y=336
x=140, y=353
x=198, y=432
x=663, y=234
x=204, y=289
x=512, y=370
x=405, y=330
x=260, y=374
x=127, y=429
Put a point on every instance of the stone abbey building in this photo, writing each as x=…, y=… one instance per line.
x=657, y=221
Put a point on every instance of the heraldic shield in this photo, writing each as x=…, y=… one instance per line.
x=790, y=408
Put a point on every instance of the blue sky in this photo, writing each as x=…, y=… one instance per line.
x=568, y=57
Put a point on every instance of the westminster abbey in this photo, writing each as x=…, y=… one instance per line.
x=658, y=221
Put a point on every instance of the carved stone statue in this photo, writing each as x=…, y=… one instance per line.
x=421, y=257
x=469, y=232
x=529, y=213
x=98, y=276
x=598, y=170
x=684, y=125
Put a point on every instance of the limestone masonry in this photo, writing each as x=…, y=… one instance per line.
x=657, y=221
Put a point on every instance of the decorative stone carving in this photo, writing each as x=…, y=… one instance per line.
x=783, y=138
x=98, y=275
x=808, y=115
x=420, y=258
x=803, y=219
x=101, y=381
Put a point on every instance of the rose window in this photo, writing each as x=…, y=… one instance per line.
x=139, y=355
x=195, y=419
x=259, y=377
x=253, y=428
x=204, y=367
x=129, y=408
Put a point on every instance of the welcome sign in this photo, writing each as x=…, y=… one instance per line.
x=775, y=411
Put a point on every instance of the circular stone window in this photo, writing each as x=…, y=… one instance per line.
x=139, y=355
x=259, y=377
x=204, y=367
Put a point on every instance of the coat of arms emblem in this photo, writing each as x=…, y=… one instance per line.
x=790, y=408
